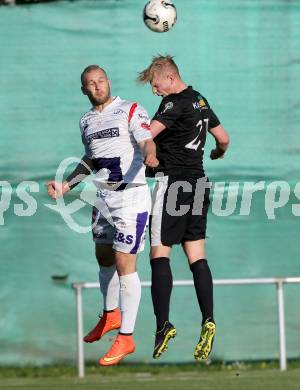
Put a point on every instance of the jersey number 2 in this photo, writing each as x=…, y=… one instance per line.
x=195, y=143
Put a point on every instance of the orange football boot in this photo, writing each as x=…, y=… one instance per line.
x=109, y=321
x=122, y=346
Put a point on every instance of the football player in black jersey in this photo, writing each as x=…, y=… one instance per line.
x=181, y=195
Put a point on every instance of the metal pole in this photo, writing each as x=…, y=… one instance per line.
x=80, y=361
x=280, y=301
x=281, y=321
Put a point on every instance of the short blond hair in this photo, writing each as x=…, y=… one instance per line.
x=159, y=64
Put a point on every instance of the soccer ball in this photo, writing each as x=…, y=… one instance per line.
x=160, y=15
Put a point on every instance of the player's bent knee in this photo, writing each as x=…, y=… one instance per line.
x=125, y=263
x=105, y=262
x=105, y=255
x=194, y=250
x=159, y=251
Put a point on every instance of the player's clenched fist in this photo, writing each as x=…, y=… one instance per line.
x=217, y=153
x=55, y=189
x=151, y=161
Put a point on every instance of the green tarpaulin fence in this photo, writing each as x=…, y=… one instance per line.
x=244, y=57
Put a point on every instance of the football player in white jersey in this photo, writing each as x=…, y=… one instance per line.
x=118, y=145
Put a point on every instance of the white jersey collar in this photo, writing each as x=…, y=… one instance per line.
x=116, y=100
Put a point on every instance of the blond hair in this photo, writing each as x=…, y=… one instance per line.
x=160, y=64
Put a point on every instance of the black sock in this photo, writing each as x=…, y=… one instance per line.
x=204, y=288
x=161, y=288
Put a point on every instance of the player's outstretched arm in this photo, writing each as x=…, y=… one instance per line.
x=149, y=150
x=83, y=169
x=222, y=142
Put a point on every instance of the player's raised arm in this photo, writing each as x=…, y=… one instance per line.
x=149, y=150
x=156, y=127
x=83, y=169
x=222, y=142
x=139, y=126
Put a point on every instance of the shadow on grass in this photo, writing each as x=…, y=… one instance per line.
x=125, y=368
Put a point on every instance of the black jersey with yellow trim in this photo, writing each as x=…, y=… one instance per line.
x=180, y=147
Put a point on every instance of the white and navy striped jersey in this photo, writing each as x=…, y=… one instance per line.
x=111, y=140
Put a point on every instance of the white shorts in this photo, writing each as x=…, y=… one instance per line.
x=120, y=218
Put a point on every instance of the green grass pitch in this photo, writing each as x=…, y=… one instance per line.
x=257, y=379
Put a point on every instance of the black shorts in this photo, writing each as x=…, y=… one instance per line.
x=179, y=210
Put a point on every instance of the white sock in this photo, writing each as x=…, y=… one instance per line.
x=130, y=296
x=109, y=287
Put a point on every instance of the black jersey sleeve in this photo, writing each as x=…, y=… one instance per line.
x=213, y=119
x=168, y=111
